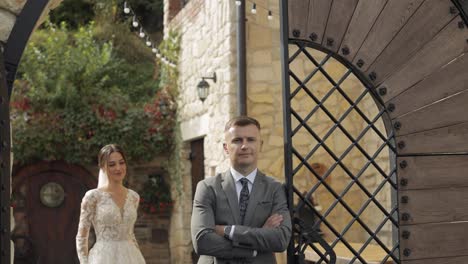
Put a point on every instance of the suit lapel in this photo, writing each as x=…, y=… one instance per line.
x=229, y=189
x=256, y=195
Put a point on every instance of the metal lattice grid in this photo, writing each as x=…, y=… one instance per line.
x=343, y=161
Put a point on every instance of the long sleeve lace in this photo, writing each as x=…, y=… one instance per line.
x=88, y=211
x=135, y=202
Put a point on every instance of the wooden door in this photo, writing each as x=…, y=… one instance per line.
x=52, y=206
x=54, y=228
x=197, y=158
x=412, y=55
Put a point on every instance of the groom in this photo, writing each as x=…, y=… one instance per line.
x=241, y=215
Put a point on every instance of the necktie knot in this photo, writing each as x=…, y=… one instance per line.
x=244, y=182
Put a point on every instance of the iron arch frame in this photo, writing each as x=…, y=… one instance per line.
x=387, y=136
x=12, y=53
x=294, y=254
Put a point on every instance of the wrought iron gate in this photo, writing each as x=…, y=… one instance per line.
x=372, y=220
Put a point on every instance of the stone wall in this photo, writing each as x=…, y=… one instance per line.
x=207, y=30
x=207, y=46
x=10, y=9
x=151, y=230
x=179, y=232
x=264, y=94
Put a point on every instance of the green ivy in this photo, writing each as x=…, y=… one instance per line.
x=75, y=94
x=170, y=48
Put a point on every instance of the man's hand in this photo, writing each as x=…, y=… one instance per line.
x=273, y=221
x=219, y=229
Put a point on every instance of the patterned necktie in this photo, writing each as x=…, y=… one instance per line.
x=244, y=198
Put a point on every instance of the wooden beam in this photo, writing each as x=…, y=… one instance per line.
x=364, y=17
x=447, y=112
x=426, y=22
x=393, y=17
x=452, y=139
x=298, y=11
x=429, y=172
x=434, y=240
x=446, y=260
x=317, y=19
x=447, y=81
x=449, y=44
x=434, y=205
x=340, y=16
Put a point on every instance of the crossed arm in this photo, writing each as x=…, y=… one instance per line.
x=274, y=235
x=208, y=237
x=205, y=240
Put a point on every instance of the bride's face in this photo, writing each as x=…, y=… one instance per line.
x=116, y=167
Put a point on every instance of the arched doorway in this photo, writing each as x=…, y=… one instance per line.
x=343, y=161
x=47, y=198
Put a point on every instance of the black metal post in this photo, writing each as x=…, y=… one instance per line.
x=241, y=61
x=4, y=168
x=284, y=50
x=462, y=6
x=19, y=36
x=9, y=61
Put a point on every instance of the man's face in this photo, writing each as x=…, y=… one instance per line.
x=242, y=144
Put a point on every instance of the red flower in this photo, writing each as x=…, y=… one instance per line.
x=22, y=104
x=90, y=134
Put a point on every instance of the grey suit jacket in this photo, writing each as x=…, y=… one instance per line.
x=216, y=203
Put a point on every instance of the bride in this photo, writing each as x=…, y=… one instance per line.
x=112, y=210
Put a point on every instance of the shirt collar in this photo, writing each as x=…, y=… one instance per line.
x=237, y=175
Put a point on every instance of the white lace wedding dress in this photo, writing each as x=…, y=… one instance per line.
x=115, y=240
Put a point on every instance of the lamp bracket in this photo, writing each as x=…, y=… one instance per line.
x=211, y=78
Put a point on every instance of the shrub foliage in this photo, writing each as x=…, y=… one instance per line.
x=75, y=94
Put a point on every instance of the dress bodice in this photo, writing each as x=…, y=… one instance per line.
x=111, y=223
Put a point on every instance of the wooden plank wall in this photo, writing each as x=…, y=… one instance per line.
x=414, y=52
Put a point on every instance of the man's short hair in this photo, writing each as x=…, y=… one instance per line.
x=241, y=121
